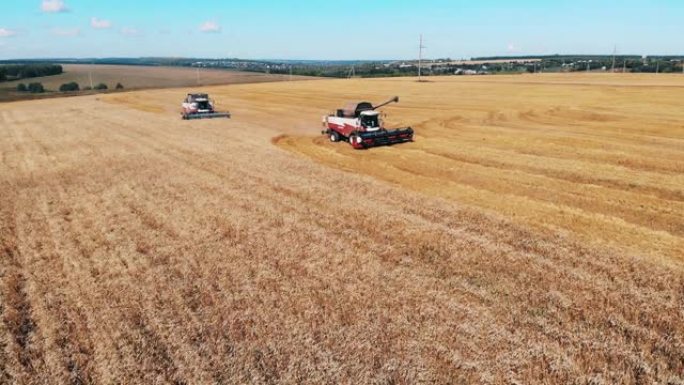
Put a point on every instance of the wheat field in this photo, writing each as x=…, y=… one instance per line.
x=531, y=234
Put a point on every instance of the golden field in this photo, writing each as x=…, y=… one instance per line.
x=599, y=156
x=531, y=234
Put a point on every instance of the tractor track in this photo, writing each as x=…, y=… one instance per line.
x=15, y=305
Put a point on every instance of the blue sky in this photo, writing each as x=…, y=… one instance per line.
x=351, y=29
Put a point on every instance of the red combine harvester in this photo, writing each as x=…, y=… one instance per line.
x=199, y=106
x=361, y=126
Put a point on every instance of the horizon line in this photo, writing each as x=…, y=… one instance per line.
x=517, y=56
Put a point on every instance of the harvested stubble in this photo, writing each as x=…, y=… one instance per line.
x=138, y=248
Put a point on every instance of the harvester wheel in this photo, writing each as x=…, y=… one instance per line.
x=334, y=136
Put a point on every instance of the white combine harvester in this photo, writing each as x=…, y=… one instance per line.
x=199, y=106
x=359, y=124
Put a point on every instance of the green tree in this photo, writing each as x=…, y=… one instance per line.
x=23, y=71
x=21, y=87
x=36, y=88
x=69, y=87
x=101, y=86
x=119, y=86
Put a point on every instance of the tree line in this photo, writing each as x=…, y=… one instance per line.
x=580, y=63
x=38, y=88
x=27, y=71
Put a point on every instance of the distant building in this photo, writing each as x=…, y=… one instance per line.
x=463, y=71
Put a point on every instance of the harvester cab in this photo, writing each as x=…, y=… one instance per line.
x=370, y=120
x=360, y=125
x=199, y=106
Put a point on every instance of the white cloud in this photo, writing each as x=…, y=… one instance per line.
x=512, y=48
x=100, y=23
x=53, y=6
x=128, y=31
x=66, y=32
x=210, y=27
x=4, y=32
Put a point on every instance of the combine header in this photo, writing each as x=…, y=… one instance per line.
x=198, y=106
x=361, y=126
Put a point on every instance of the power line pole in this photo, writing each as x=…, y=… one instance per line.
x=90, y=75
x=614, y=53
x=420, y=57
x=352, y=72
